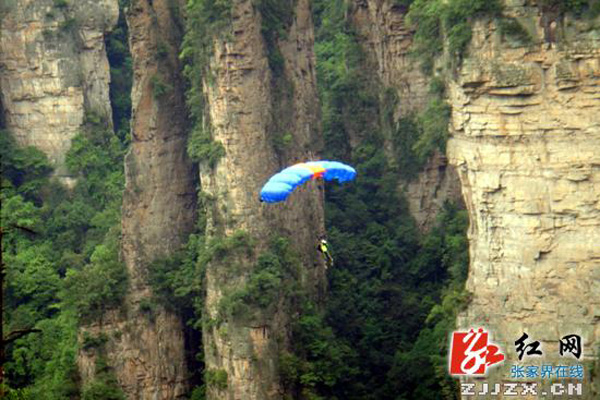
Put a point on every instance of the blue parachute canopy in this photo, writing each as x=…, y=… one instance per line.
x=280, y=185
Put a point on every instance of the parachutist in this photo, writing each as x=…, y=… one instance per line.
x=323, y=247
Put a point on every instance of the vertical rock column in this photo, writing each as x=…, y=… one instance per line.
x=159, y=201
x=386, y=38
x=249, y=105
x=159, y=209
x=53, y=69
x=526, y=143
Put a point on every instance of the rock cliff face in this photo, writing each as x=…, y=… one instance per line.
x=159, y=210
x=250, y=107
x=526, y=144
x=386, y=40
x=53, y=70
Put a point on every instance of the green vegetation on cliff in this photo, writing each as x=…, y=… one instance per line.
x=121, y=73
x=277, y=16
x=577, y=7
x=271, y=282
x=206, y=22
x=437, y=21
x=67, y=269
x=104, y=386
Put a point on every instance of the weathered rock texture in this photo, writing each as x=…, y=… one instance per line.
x=386, y=39
x=526, y=144
x=249, y=107
x=147, y=351
x=53, y=70
x=436, y=184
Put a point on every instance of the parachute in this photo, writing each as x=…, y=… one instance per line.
x=282, y=184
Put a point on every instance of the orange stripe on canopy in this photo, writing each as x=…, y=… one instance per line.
x=317, y=170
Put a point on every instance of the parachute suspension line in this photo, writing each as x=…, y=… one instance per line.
x=321, y=188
